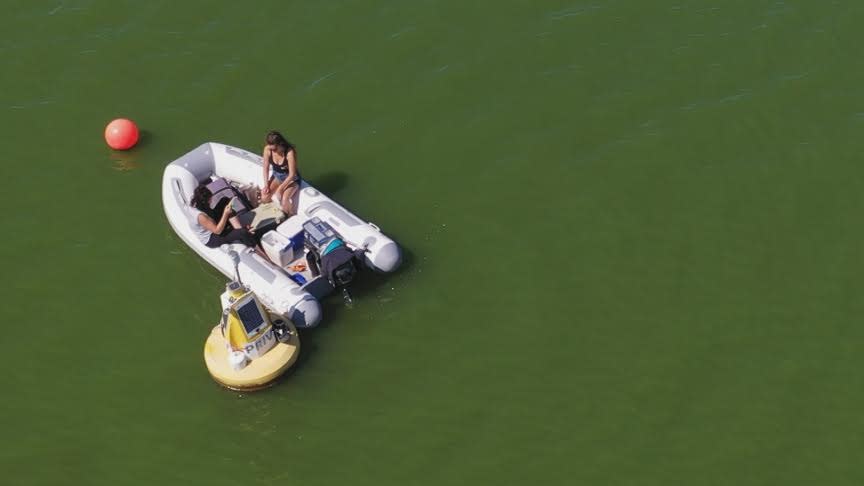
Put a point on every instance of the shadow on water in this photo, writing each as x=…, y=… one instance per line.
x=308, y=349
x=330, y=183
x=145, y=138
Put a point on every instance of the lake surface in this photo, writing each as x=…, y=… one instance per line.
x=632, y=240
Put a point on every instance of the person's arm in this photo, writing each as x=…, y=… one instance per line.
x=215, y=228
x=265, y=188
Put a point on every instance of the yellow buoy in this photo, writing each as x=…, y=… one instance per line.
x=251, y=347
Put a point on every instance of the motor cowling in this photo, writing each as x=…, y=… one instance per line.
x=332, y=257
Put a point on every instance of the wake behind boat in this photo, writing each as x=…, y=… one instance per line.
x=287, y=282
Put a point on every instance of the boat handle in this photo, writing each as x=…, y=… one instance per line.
x=375, y=226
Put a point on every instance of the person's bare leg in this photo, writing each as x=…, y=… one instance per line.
x=288, y=198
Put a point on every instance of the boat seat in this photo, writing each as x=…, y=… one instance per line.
x=292, y=225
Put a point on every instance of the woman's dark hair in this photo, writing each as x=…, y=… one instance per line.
x=276, y=138
x=201, y=197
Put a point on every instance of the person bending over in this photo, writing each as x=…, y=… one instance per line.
x=281, y=177
x=213, y=233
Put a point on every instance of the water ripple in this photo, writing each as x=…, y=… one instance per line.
x=561, y=69
x=403, y=31
x=571, y=12
x=31, y=104
x=792, y=77
x=322, y=78
x=732, y=98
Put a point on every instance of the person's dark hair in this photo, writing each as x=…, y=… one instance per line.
x=276, y=138
x=201, y=197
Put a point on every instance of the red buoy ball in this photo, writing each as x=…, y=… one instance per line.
x=121, y=134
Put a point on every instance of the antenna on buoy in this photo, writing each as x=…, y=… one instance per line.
x=235, y=257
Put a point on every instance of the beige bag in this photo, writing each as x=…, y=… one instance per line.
x=267, y=214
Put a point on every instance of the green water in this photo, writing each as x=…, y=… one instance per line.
x=631, y=229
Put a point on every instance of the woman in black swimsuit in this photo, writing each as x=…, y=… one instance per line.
x=281, y=177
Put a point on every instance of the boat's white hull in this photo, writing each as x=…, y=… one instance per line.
x=270, y=283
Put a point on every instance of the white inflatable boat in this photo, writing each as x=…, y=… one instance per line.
x=283, y=284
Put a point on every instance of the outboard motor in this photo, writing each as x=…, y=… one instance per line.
x=329, y=256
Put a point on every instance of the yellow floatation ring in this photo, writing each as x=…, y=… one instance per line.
x=260, y=372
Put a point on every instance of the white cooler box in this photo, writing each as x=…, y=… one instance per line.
x=281, y=249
